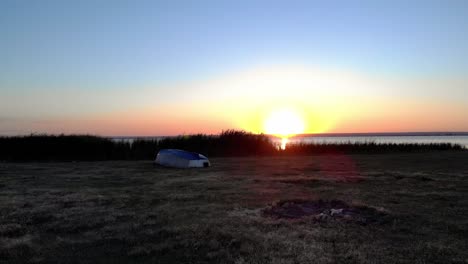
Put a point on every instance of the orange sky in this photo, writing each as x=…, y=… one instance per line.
x=167, y=68
x=327, y=100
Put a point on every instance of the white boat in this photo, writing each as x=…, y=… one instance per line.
x=181, y=159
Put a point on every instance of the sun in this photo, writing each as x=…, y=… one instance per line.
x=284, y=123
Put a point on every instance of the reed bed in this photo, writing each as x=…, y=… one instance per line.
x=228, y=143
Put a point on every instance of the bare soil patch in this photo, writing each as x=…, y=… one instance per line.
x=323, y=210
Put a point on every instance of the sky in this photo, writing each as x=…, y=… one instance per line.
x=149, y=68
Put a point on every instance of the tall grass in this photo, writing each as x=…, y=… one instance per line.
x=61, y=147
x=228, y=143
x=367, y=147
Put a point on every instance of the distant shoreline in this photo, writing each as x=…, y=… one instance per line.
x=366, y=134
x=371, y=134
x=385, y=134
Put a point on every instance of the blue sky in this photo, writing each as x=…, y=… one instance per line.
x=127, y=46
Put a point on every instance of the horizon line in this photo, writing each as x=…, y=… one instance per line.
x=413, y=133
x=325, y=134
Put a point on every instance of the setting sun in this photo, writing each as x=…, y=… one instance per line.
x=284, y=123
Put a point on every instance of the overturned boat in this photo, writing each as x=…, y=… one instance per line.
x=181, y=159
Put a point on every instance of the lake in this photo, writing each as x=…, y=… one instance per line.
x=398, y=138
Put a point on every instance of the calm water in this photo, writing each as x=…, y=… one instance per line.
x=456, y=138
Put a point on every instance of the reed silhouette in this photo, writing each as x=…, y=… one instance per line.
x=228, y=143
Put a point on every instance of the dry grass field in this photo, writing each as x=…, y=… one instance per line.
x=408, y=208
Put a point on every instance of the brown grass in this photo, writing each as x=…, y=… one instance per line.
x=132, y=212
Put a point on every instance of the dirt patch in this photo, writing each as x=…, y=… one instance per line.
x=301, y=181
x=321, y=210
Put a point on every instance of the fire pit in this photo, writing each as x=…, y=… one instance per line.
x=321, y=210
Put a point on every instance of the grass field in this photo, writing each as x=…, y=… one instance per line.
x=130, y=211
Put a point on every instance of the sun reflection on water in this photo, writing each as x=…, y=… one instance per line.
x=284, y=141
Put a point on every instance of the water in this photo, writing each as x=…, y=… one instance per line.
x=398, y=138
x=461, y=139
x=132, y=139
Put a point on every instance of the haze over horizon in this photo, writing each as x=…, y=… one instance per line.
x=149, y=68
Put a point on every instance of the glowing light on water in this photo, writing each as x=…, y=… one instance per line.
x=284, y=141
